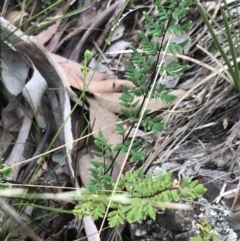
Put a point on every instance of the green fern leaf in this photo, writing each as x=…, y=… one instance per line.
x=174, y=68
x=97, y=153
x=120, y=129
x=167, y=97
x=97, y=211
x=115, y=219
x=126, y=112
x=154, y=124
x=155, y=29
x=174, y=195
x=137, y=155
x=130, y=216
x=82, y=210
x=193, y=184
x=186, y=192
x=199, y=190
x=148, y=46
x=198, y=238
x=162, y=13
x=148, y=210
x=174, y=48
x=96, y=164
x=186, y=182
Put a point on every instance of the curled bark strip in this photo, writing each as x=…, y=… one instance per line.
x=51, y=72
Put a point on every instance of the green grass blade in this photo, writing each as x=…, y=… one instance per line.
x=215, y=39
x=236, y=77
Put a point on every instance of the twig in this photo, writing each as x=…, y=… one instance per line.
x=39, y=150
x=98, y=21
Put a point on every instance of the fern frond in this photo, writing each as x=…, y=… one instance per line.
x=149, y=46
x=162, y=13
x=154, y=124
x=174, y=68
x=174, y=48
x=143, y=196
x=154, y=28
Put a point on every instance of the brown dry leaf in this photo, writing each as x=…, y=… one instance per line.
x=47, y=34
x=82, y=166
x=14, y=16
x=110, y=101
x=101, y=118
x=54, y=41
x=105, y=120
x=96, y=85
x=109, y=86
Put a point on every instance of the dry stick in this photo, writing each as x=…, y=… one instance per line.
x=109, y=26
x=74, y=33
x=30, y=168
x=14, y=215
x=16, y=155
x=98, y=21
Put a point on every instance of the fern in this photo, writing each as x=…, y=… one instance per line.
x=141, y=197
x=206, y=233
x=174, y=48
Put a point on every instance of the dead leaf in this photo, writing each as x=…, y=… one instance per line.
x=54, y=41
x=117, y=33
x=47, y=34
x=105, y=120
x=14, y=71
x=83, y=164
x=115, y=48
x=94, y=81
x=101, y=118
x=14, y=16
x=33, y=92
x=110, y=101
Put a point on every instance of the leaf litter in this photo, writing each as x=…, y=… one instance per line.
x=197, y=133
